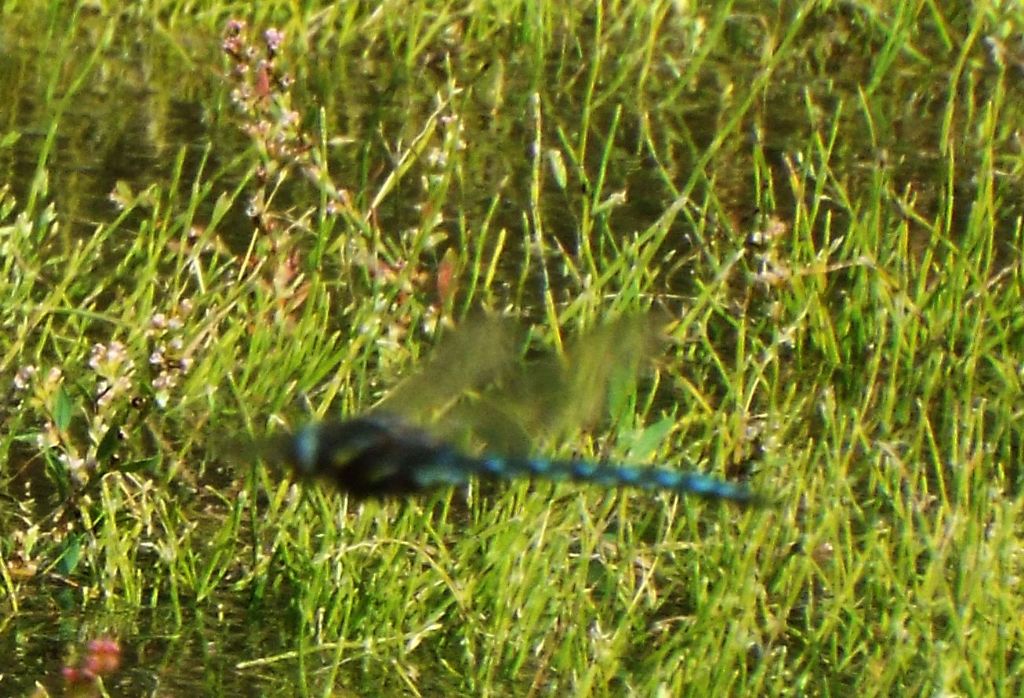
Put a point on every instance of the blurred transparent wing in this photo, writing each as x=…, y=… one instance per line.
x=604, y=364
x=556, y=395
x=474, y=355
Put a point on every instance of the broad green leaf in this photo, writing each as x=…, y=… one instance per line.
x=70, y=555
x=62, y=408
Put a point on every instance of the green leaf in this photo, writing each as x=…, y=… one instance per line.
x=71, y=554
x=650, y=439
x=62, y=408
x=108, y=444
x=137, y=465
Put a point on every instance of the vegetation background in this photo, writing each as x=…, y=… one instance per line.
x=210, y=211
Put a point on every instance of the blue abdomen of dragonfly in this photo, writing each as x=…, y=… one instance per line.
x=613, y=475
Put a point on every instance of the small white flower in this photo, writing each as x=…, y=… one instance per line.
x=24, y=376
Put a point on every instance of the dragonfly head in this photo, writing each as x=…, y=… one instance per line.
x=303, y=449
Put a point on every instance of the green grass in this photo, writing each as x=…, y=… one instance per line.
x=823, y=199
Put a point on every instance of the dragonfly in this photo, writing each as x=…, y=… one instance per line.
x=382, y=454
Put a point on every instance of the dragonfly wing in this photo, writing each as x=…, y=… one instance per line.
x=558, y=394
x=476, y=354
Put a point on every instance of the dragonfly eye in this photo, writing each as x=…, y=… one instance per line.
x=306, y=448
